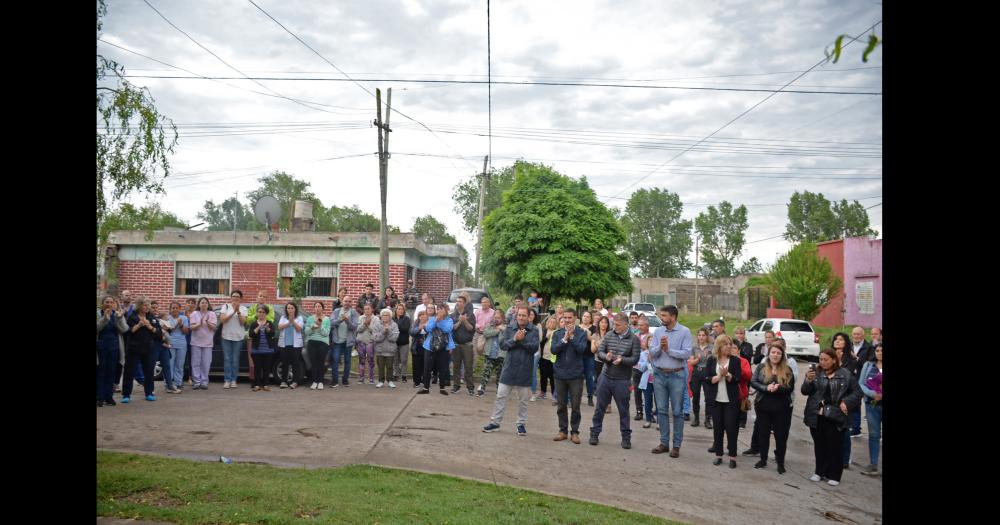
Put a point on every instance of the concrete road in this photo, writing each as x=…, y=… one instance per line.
x=435, y=433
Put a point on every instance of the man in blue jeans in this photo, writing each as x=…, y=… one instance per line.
x=343, y=323
x=669, y=350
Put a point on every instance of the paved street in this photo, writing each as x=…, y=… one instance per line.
x=434, y=433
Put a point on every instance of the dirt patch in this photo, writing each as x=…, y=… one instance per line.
x=154, y=498
x=202, y=432
x=306, y=434
x=833, y=516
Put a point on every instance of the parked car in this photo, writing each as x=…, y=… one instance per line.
x=800, y=338
x=646, y=308
x=475, y=295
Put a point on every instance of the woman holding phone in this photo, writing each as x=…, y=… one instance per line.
x=832, y=393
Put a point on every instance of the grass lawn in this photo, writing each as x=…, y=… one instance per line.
x=181, y=491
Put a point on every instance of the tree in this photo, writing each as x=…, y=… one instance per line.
x=353, y=219
x=551, y=233
x=466, y=196
x=298, y=285
x=722, y=233
x=812, y=218
x=431, y=231
x=287, y=189
x=804, y=281
x=127, y=217
x=133, y=138
x=751, y=265
x=657, y=240
x=219, y=217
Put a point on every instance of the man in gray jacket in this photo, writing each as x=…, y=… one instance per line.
x=619, y=351
x=343, y=323
x=520, y=341
x=570, y=347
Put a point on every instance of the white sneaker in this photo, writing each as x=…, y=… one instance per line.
x=379, y=385
x=312, y=386
x=392, y=385
x=833, y=482
x=533, y=398
x=814, y=477
x=319, y=386
x=225, y=385
x=232, y=385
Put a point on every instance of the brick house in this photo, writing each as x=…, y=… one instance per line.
x=177, y=264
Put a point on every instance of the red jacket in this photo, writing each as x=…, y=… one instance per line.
x=745, y=373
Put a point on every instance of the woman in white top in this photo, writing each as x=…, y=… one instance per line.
x=724, y=390
x=290, y=346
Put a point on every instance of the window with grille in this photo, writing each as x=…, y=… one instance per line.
x=202, y=278
x=323, y=282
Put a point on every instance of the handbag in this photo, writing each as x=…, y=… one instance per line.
x=745, y=405
x=833, y=413
x=479, y=343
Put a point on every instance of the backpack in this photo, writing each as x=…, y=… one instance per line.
x=439, y=340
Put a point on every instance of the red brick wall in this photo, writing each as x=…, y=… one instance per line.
x=438, y=283
x=250, y=278
x=153, y=279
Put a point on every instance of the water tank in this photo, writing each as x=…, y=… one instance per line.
x=303, y=210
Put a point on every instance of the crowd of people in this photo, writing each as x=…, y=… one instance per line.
x=612, y=357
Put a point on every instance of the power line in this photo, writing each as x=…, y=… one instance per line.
x=748, y=110
x=220, y=59
x=219, y=81
x=767, y=239
x=348, y=77
x=517, y=83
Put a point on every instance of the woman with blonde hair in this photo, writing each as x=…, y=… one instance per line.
x=723, y=372
x=775, y=384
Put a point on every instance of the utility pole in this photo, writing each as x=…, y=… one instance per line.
x=697, y=304
x=383, y=175
x=482, y=204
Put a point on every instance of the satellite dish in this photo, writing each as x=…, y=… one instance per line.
x=267, y=210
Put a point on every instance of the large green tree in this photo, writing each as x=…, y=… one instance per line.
x=220, y=217
x=813, y=218
x=552, y=234
x=466, y=196
x=353, y=219
x=287, y=189
x=127, y=217
x=432, y=231
x=803, y=280
x=133, y=138
x=657, y=240
x=722, y=234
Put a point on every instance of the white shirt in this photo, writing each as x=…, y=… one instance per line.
x=723, y=394
x=232, y=329
x=420, y=308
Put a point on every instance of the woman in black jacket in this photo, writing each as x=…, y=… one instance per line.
x=262, y=344
x=723, y=370
x=845, y=353
x=417, y=335
x=143, y=330
x=832, y=392
x=774, y=382
x=403, y=343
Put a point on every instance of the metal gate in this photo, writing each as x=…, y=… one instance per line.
x=757, y=302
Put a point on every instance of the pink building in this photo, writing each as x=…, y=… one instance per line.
x=858, y=263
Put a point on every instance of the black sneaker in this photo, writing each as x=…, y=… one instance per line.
x=638, y=416
x=472, y=392
x=443, y=392
x=687, y=417
x=423, y=391
x=455, y=389
x=434, y=380
x=481, y=393
x=751, y=452
x=346, y=383
x=404, y=379
x=760, y=464
x=626, y=443
x=593, y=439
x=110, y=402
x=100, y=402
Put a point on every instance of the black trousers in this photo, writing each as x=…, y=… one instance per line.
x=768, y=421
x=574, y=387
x=546, y=377
x=261, y=368
x=290, y=357
x=698, y=383
x=726, y=416
x=417, y=360
x=148, y=360
x=829, y=443
x=317, y=360
x=436, y=362
x=636, y=378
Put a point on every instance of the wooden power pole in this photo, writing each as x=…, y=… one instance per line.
x=697, y=304
x=484, y=180
x=383, y=175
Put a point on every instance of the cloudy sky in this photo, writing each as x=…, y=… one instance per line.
x=234, y=130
